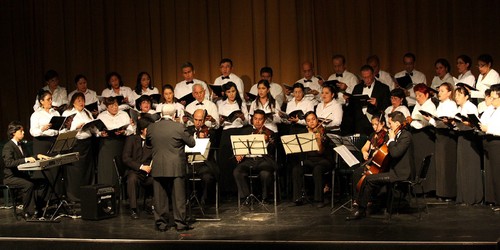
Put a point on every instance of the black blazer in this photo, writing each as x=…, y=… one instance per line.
x=401, y=152
x=134, y=154
x=380, y=92
x=12, y=158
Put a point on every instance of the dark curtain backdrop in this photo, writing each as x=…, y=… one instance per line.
x=94, y=37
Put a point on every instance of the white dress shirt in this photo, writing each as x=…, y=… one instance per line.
x=124, y=91
x=59, y=97
x=211, y=110
x=487, y=114
x=232, y=78
x=493, y=122
x=269, y=123
x=304, y=105
x=385, y=78
x=467, y=78
x=468, y=108
x=179, y=108
x=419, y=121
x=332, y=111
x=276, y=92
x=116, y=121
x=401, y=108
x=436, y=81
x=485, y=82
x=313, y=84
x=80, y=118
x=416, y=77
x=39, y=119
x=90, y=96
x=348, y=78
x=148, y=91
x=182, y=89
x=226, y=108
x=446, y=108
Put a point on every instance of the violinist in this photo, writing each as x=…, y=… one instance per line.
x=400, y=164
x=208, y=170
x=317, y=162
x=265, y=165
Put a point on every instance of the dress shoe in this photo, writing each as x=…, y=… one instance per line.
x=28, y=216
x=161, y=227
x=134, y=214
x=359, y=214
x=183, y=228
x=298, y=202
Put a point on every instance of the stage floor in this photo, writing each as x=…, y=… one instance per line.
x=444, y=227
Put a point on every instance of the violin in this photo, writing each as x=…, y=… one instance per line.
x=264, y=131
x=202, y=132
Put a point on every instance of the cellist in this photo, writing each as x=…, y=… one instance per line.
x=400, y=164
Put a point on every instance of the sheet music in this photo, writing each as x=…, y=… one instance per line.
x=346, y=155
x=254, y=144
x=299, y=143
x=200, y=150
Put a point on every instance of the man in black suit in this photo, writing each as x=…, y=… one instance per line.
x=380, y=99
x=208, y=170
x=401, y=163
x=137, y=157
x=14, y=154
x=168, y=139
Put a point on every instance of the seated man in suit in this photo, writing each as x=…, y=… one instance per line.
x=208, y=170
x=137, y=157
x=265, y=165
x=14, y=154
x=400, y=164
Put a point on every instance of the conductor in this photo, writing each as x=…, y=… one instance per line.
x=168, y=139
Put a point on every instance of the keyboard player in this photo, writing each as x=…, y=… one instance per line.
x=14, y=154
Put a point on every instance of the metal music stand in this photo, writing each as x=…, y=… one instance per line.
x=198, y=155
x=344, y=148
x=64, y=143
x=297, y=144
x=251, y=146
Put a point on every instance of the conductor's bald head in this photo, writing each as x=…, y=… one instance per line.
x=168, y=110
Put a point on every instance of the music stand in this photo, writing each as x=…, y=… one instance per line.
x=253, y=145
x=64, y=143
x=297, y=144
x=198, y=155
x=344, y=147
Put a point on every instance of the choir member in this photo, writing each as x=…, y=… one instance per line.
x=445, y=144
x=81, y=172
x=119, y=125
x=185, y=87
x=490, y=124
x=143, y=86
x=90, y=95
x=266, y=102
x=309, y=81
x=464, y=63
x=416, y=77
x=380, y=75
x=398, y=100
x=487, y=75
x=330, y=110
x=298, y=102
x=423, y=134
x=114, y=87
x=227, y=75
x=315, y=162
x=168, y=98
x=266, y=73
x=59, y=94
x=347, y=80
x=442, y=67
x=469, y=153
x=212, y=118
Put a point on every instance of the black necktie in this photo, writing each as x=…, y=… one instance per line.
x=200, y=103
x=377, y=75
x=225, y=77
x=338, y=75
x=409, y=74
x=189, y=82
x=307, y=80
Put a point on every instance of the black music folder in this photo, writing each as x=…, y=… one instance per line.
x=332, y=83
x=296, y=113
x=91, y=107
x=360, y=99
x=217, y=89
x=233, y=116
x=60, y=122
x=189, y=98
x=251, y=97
x=405, y=81
x=474, y=121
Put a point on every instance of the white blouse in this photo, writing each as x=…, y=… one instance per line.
x=59, y=97
x=39, y=119
x=332, y=111
x=80, y=118
x=269, y=123
x=116, y=121
x=226, y=108
x=419, y=121
x=484, y=83
x=304, y=105
x=124, y=91
x=446, y=108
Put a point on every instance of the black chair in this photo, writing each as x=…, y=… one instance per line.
x=9, y=191
x=251, y=199
x=122, y=185
x=407, y=187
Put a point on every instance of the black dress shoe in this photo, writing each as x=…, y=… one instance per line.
x=184, y=228
x=161, y=227
x=359, y=214
x=134, y=214
x=298, y=202
x=28, y=216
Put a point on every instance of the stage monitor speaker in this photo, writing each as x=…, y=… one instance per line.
x=98, y=202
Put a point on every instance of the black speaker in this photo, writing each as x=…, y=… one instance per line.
x=98, y=202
